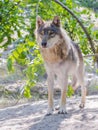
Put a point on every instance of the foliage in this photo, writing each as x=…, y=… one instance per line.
x=70, y=91
x=17, y=25
x=88, y=3
x=11, y=21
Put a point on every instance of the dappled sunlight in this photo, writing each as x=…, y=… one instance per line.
x=23, y=86
x=32, y=116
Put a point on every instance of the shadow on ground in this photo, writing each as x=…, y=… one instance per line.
x=31, y=116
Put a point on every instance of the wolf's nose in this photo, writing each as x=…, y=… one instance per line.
x=44, y=44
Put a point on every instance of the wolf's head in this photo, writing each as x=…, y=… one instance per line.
x=48, y=32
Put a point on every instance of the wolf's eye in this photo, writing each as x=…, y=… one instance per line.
x=51, y=33
x=42, y=32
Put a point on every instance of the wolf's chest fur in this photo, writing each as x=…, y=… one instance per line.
x=55, y=54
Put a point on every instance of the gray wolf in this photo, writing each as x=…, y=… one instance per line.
x=62, y=58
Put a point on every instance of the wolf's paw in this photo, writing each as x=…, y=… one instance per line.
x=57, y=108
x=48, y=114
x=50, y=111
x=81, y=105
x=62, y=111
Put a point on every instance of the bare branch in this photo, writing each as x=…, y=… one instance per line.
x=37, y=6
x=91, y=55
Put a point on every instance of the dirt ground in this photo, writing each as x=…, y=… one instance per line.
x=31, y=116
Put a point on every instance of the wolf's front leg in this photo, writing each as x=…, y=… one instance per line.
x=63, y=86
x=50, y=94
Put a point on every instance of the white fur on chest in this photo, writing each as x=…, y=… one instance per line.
x=64, y=68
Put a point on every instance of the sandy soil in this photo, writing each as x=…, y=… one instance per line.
x=31, y=116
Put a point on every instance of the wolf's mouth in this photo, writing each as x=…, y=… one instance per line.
x=44, y=46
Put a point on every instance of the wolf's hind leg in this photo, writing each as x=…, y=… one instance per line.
x=77, y=81
x=75, y=84
x=80, y=79
x=83, y=94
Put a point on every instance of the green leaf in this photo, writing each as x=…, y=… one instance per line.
x=97, y=87
x=10, y=65
x=27, y=93
x=97, y=35
x=97, y=71
x=70, y=91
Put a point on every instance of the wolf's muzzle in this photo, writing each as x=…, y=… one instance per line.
x=44, y=44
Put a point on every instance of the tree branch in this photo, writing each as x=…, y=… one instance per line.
x=91, y=55
x=87, y=34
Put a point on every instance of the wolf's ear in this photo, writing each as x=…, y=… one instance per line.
x=39, y=21
x=56, y=21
